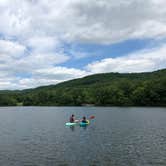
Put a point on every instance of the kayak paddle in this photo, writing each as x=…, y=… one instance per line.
x=92, y=117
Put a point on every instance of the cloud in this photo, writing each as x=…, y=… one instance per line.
x=102, y=21
x=106, y=21
x=13, y=49
x=141, y=61
x=40, y=77
x=27, y=65
x=43, y=44
x=39, y=61
x=16, y=61
x=32, y=34
x=60, y=73
x=47, y=76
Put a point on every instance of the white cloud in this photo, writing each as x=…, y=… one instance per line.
x=29, y=63
x=40, y=77
x=39, y=61
x=32, y=33
x=13, y=49
x=26, y=83
x=60, y=73
x=142, y=61
x=102, y=21
x=43, y=44
x=46, y=76
x=110, y=21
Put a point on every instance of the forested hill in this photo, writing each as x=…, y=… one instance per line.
x=108, y=89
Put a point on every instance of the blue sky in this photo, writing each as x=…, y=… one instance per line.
x=45, y=42
x=97, y=52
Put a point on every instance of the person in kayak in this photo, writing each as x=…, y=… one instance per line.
x=72, y=119
x=84, y=120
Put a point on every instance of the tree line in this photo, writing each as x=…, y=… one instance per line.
x=109, y=89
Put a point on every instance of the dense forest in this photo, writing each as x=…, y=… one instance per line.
x=108, y=89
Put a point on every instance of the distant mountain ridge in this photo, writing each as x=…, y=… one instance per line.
x=106, y=89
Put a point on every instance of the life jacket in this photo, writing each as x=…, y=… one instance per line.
x=84, y=121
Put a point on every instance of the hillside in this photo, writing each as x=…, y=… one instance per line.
x=107, y=89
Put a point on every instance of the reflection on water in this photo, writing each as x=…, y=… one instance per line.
x=117, y=136
x=72, y=128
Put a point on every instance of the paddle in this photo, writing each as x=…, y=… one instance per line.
x=92, y=117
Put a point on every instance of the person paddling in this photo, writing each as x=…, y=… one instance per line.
x=84, y=120
x=72, y=119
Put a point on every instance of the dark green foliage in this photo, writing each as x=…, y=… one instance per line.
x=109, y=89
x=7, y=100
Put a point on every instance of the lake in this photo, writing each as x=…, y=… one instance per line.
x=118, y=136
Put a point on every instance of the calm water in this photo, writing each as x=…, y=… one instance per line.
x=117, y=136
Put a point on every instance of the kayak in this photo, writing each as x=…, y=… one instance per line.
x=83, y=124
x=71, y=124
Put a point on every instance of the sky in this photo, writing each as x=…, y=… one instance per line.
x=45, y=42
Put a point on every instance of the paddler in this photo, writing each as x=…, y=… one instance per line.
x=84, y=120
x=72, y=119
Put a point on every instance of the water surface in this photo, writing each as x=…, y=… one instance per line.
x=117, y=136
